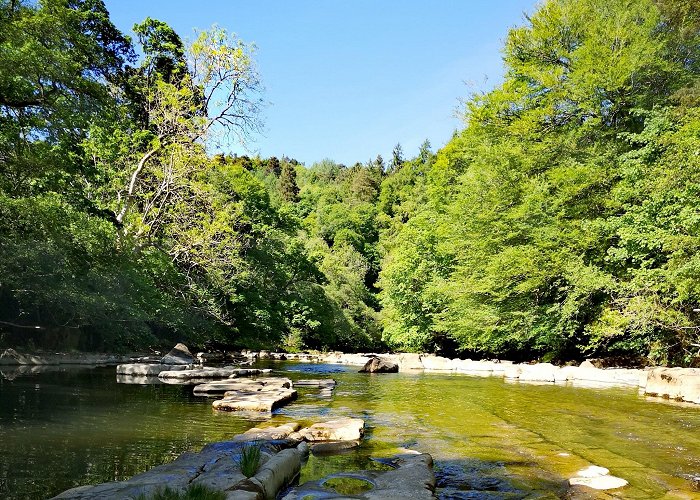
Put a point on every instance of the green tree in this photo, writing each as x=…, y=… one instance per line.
x=288, y=183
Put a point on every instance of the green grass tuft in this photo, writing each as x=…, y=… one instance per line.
x=249, y=460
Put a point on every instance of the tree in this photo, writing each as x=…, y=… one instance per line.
x=396, y=158
x=273, y=166
x=57, y=58
x=288, y=183
x=425, y=154
x=187, y=106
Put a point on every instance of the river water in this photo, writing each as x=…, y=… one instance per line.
x=489, y=438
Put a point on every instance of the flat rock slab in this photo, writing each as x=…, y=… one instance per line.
x=244, y=385
x=212, y=373
x=268, y=433
x=147, y=368
x=344, y=429
x=412, y=478
x=263, y=400
x=325, y=386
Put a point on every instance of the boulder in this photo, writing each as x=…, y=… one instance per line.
x=279, y=471
x=344, y=429
x=379, y=365
x=179, y=355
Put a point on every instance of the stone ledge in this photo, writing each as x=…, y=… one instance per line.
x=215, y=466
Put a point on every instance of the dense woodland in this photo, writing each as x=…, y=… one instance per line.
x=562, y=222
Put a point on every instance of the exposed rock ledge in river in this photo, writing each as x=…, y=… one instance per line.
x=217, y=467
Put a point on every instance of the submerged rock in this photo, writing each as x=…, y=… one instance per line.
x=333, y=447
x=412, y=477
x=379, y=365
x=325, y=386
x=179, y=355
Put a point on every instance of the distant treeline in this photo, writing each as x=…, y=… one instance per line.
x=562, y=222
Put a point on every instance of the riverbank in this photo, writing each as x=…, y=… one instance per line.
x=679, y=384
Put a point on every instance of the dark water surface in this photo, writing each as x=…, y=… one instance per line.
x=489, y=438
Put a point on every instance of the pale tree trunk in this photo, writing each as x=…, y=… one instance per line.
x=133, y=181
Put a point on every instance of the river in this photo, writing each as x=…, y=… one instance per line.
x=489, y=438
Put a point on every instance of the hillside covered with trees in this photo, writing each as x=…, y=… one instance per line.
x=562, y=222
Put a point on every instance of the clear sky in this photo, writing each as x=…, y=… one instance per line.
x=348, y=79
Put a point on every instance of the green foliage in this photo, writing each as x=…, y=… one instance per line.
x=562, y=221
x=249, y=459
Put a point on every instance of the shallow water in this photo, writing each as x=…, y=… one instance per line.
x=489, y=438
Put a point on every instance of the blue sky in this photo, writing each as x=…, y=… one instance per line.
x=347, y=80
